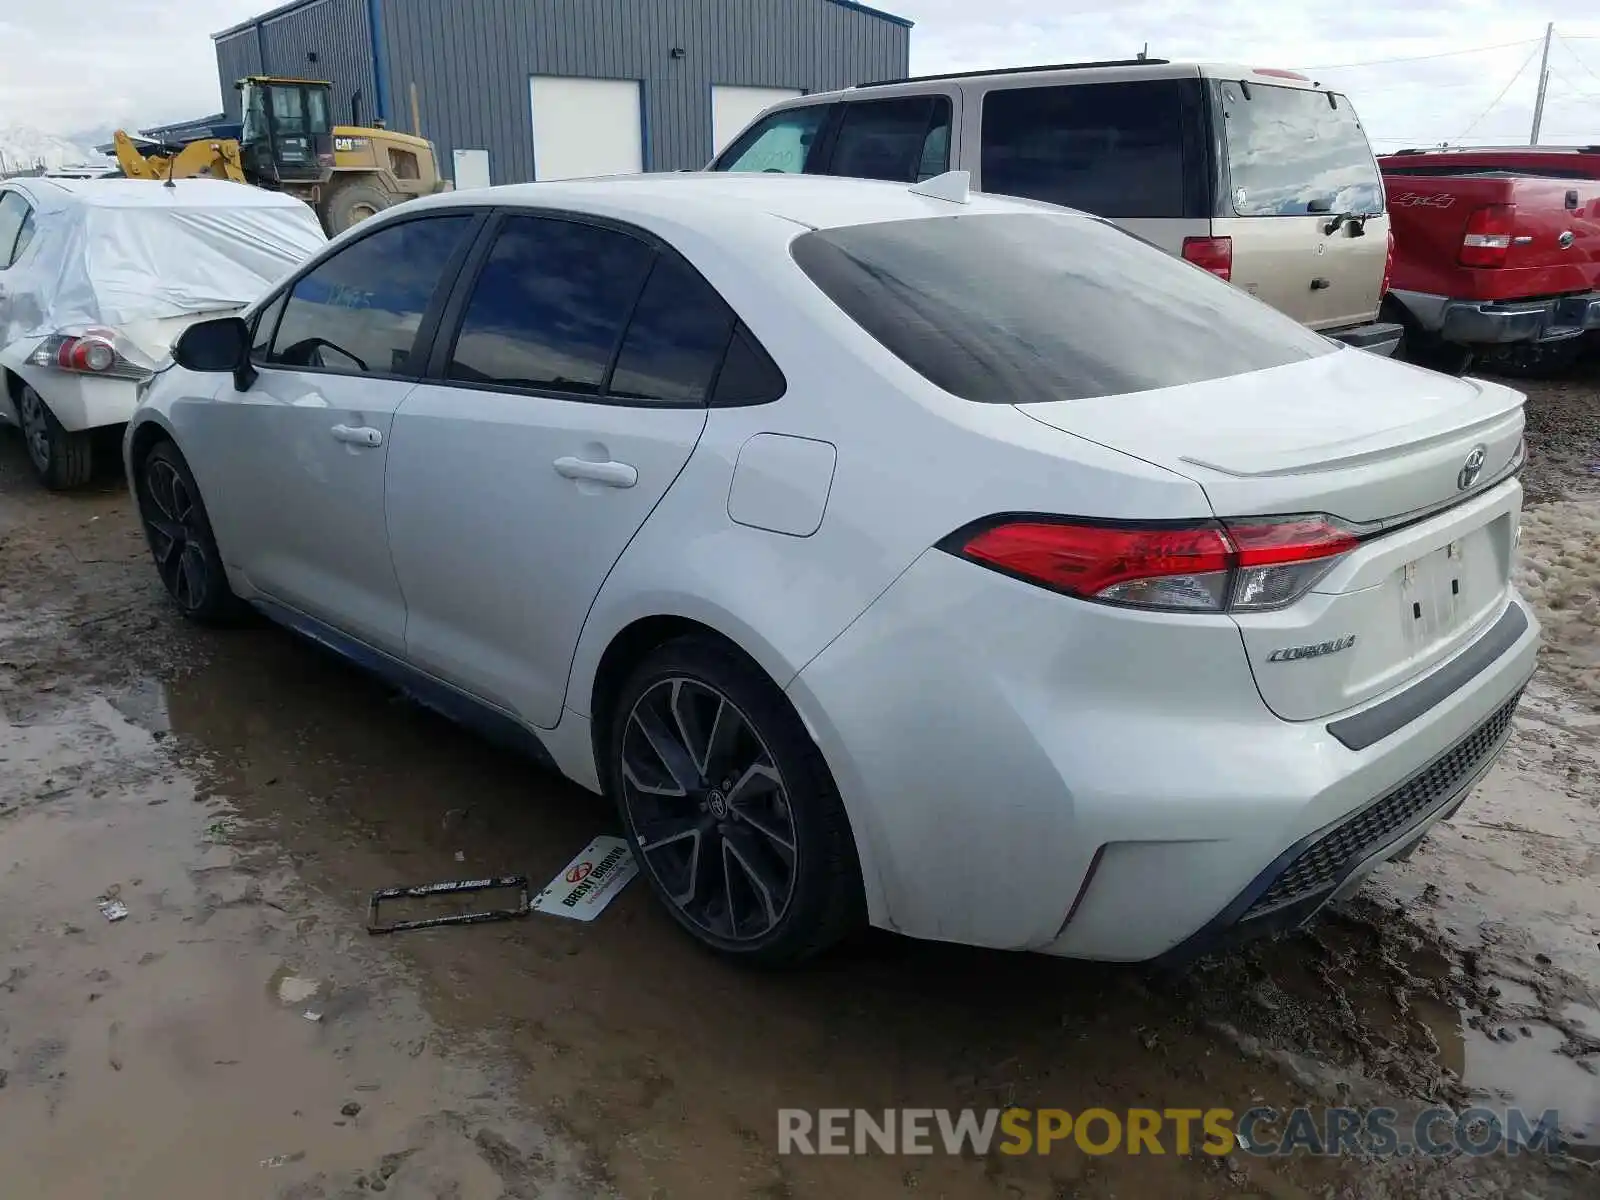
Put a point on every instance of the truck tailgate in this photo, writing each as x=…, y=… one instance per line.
x=1554, y=229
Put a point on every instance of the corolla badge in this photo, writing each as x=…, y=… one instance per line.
x=1470, y=470
x=1315, y=650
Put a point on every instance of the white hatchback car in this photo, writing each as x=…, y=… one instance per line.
x=957, y=563
x=98, y=276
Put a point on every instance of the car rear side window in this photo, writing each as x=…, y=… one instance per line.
x=676, y=339
x=1017, y=308
x=359, y=310
x=780, y=143
x=550, y=305
x=905, y=139
x=1113, y=149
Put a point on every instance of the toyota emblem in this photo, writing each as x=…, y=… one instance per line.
x=1468, y=475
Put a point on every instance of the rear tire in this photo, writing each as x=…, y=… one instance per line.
x=1533, y=360
x=178, y=532
x=1436, y=354
x=353, y=203
x=62, y=460
x=743, y=838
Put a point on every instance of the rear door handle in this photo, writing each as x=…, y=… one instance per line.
x=612, y=474
x=358, y=435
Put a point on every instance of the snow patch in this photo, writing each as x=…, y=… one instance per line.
x=24, y=148
x=1559, y=573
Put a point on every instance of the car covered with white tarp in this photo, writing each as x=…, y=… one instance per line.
x=98, y=277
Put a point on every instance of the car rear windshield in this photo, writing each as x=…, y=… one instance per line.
x=1293, y=151
x=1015, y=308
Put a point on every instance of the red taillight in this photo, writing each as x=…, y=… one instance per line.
x=1243, y=565
x=1388, y=266
x=1488, y=236
x=89, y=353
x=1215, y=254
x=1279, y=73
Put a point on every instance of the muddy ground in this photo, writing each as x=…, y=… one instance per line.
x=239, y=1034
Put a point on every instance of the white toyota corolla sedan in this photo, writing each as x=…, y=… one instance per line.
x=956, y=564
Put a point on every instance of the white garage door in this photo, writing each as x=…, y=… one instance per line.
x=585, y=127
x=732, y=108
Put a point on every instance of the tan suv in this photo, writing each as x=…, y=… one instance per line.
x=1260, y=176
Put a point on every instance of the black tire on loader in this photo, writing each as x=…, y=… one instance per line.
x=353, y=202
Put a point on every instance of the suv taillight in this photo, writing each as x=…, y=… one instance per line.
x=1488, y=236
x=1215, y=254
x=1388, y=267
x=1250, y=564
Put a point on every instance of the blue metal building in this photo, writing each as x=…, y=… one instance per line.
x=513, y=90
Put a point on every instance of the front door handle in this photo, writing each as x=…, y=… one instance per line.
x=612, y=474
x=358, y=435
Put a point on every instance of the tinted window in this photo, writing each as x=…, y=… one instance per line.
x=906, y=139
x=360, y=310
x=676, y=340
x=24, y=235
x=1291, y=152
x=1016, y=308
x=266, y=325
x=549, y=308
x=13, y=211
x=781, y=142
x=1115, y=149
x=748, y=376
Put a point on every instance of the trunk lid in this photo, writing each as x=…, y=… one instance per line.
x=1376, y=443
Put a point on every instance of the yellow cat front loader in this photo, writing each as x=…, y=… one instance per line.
x=287, y=142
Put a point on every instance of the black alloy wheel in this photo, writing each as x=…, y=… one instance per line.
x=180, y=538
x=730, y=810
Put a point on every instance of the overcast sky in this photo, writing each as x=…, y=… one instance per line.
x=142, y=62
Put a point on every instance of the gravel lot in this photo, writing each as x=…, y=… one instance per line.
x=239, y=1034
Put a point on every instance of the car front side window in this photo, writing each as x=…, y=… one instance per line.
x=360, y=310
x=15, y=218
x=780, y=144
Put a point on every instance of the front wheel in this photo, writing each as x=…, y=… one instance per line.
x=60, y=458
x=729, y=808
x=180, y=538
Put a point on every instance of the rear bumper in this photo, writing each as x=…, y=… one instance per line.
x=1027, y=772
x=1378, y=337
x=1499, y=322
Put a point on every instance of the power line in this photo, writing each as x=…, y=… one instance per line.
x=1565, y=82
x=1495, y=103
x=1573, y=54
x=1383, y=62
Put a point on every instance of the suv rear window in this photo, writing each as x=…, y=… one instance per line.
x=1012, y=309
x=1114, y=149
x=1293, y=151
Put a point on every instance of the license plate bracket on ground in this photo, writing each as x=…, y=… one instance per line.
x=452, y=888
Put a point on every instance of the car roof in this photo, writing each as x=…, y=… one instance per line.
x=1116, y=70
x=707, y=200
x=56, y=194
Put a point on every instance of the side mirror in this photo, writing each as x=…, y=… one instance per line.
x=215, y=346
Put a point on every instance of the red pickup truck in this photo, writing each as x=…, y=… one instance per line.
x=1493, y=262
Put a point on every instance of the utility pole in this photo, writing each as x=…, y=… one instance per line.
x=1544, y=83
